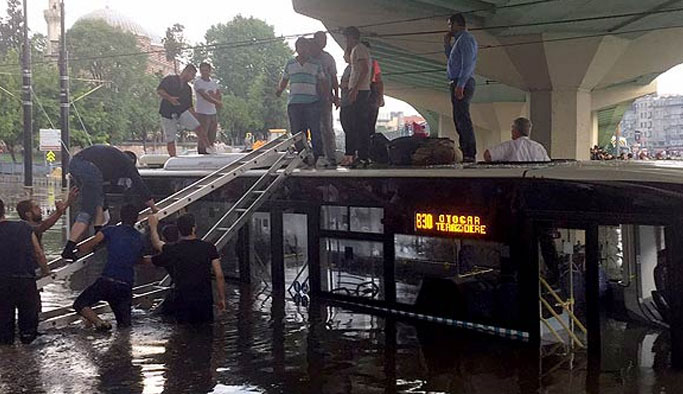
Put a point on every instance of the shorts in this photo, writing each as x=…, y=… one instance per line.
x=89, y=181
x=209, y=124
x=118, y=294
x=170, y=127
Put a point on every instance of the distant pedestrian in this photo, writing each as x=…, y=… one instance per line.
x=520, y=148
x=190, y=262
x=177, y=111
x=307, y=84
x=208, y=100
x=461, y=50
x=29, y=211
x=21, y=252
x=90, y=168
x=327, y=100
x=125, y=248
x=358, y=139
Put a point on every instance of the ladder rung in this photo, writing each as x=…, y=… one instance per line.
x=222, y=229
x=241, y=210
x=259, y=191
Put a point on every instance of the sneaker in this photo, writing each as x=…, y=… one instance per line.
x=469, y=160
x=69, y=255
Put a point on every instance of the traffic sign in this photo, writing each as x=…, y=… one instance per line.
x=50, y=140
x=50, y=157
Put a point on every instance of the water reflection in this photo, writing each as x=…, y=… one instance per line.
x=267, y=343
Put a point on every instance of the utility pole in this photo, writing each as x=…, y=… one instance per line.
x=27, y=104
x=64, y=97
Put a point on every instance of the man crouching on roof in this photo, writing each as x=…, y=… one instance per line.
x=125, y=248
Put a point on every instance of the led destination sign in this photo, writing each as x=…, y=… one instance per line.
x=449, y=223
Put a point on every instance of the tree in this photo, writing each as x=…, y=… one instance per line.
x=248, y=60
x=12, y=27
x=125, y=106
x=175, y=44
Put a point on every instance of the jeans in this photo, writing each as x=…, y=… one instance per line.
x=327, y=131
x=304, y=117
x=89, y=181
x=358, y=133
x=18, y=294
x=463, y=121
x=119, y=295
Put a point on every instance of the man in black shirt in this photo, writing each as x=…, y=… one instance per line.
x=190, y=262
x=177, y=110
x=90, y=168
x=20, y=253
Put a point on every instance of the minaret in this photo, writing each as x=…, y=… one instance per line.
x=52, y=17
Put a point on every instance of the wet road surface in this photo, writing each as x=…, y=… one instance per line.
x=263, y=344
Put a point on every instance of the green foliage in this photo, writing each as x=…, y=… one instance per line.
x=11, y=27
x=174, y=44
x=125, y=107
x=248, y=61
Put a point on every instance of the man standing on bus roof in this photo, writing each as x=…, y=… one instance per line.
x=520, y=148
x=208, y=100
x=176, y=109
x=461, y=50
x=328, y=98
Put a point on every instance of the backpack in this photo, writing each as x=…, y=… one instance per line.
x=406, y=151
x=379, y=148
x=434, y=151
x=401, y=150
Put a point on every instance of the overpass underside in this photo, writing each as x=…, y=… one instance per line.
x=569, y=65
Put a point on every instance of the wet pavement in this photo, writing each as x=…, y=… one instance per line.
x=266, y=344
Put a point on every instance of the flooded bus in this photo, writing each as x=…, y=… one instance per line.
x=534, y=253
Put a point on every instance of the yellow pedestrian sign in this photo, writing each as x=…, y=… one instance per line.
x=50, y=157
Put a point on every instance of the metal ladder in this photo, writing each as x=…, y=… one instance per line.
x=207, y=185
x=568, y=308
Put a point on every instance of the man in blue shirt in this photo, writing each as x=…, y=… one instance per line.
x=461, y=49
x=125, y=248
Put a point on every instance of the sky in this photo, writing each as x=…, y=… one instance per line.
x=157, y=15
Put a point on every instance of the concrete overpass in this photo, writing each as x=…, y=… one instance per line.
x=572, y=66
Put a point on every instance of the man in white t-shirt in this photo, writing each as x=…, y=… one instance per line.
x=357, y=151
x=520, y=148
x=208, y=99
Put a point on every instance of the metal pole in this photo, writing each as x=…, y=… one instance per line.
x=27, y=104
x=64, y=97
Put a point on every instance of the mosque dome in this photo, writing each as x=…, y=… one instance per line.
x=117, y=19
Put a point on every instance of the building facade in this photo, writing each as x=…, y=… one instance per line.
x=655, y=123
x=146, y=41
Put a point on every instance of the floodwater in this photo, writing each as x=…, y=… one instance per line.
x=266, y=344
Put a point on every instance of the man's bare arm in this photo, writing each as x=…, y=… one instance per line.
x=164, y=95
x=282, y=86
x=40, y=256
x=220, y=283
x=157, y=243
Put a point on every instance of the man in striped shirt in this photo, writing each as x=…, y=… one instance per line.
x=307, y=84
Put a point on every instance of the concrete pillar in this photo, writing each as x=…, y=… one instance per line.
x=595, y=128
